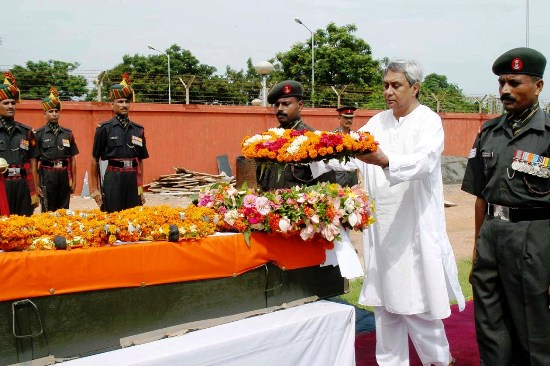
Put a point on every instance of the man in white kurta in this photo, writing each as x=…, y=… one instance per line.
x=410, y=266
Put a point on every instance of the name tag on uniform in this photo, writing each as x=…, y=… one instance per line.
x=47, y=140
x=472, y=153
x=113, y=138
x=487, y=154
x=24, y=144
x=66, y=143
x=137, y=141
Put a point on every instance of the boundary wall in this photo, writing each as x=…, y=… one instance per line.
x=192, y=136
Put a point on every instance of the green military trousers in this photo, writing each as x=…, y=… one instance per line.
x=510, y=280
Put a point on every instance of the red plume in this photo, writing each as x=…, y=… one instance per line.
x=54, y=92
x=10, y=78
x=126, y=77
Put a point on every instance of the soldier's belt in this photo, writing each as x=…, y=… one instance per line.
x=123, y=163
x=15, y=172
x=57, y=164
x=515, y=214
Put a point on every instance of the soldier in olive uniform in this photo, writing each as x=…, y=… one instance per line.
x=345, y=118
x=17, y=144
x=55, y=152
x=121, y=143
x=508, y=171
x=286, y=98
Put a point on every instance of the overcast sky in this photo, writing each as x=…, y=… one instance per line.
x=456, y=38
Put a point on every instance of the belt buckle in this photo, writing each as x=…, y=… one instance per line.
x=58, y=164
x=127, y=163
x=501, y=212
x=12, y=172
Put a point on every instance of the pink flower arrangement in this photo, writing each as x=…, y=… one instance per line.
x=306, y=211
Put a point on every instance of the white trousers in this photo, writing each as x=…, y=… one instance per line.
x=427, y=334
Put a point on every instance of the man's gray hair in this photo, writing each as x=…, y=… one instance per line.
x=411, y=69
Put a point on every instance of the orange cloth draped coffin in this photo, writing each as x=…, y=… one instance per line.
x=46, y=273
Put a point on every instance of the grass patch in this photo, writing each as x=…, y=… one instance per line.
x=463, y=266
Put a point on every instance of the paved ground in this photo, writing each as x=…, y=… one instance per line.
x=460, y=218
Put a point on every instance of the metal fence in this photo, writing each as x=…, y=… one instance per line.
x=153, y=88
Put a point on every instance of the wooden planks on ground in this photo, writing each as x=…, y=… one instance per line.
x=185, y=182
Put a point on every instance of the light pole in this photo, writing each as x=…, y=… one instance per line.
x=264, y=68
x=527, y=24
x=169, y=87
x=297, y=20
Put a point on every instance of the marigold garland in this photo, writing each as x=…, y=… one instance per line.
x=278, y=145
x=95, y=228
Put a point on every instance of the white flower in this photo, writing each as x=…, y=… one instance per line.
x=284, y=224
x=330, y=232
x=315, y=218
x=277, y=131
x=262, y=205
x=307, y=233
x=354, y=135
x=349, y=205
x=132, y=228
x=231, y=216
x=295, y=145
x=353, y=219
x=253, y=140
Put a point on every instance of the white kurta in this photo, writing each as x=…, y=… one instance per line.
x=410, y=265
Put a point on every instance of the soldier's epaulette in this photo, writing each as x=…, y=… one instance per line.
x=489, y=123
x=136, y=124
x=39, y=129
x=24, y=126
x=103, y=123
x=65, y=129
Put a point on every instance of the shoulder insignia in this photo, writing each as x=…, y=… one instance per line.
x=136, y=124
x=24, y=126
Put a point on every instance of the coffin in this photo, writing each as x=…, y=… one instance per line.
x=66, y=304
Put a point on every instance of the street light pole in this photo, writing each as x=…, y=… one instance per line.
x=169, y=82
x=297, y=20
x=527, y=24
x=264, y=68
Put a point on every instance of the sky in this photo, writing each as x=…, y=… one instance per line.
x=456, y=38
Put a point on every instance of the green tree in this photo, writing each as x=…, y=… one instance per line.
x=341, y=59
x=440, y=95
x=149, y=74
x=35, y=79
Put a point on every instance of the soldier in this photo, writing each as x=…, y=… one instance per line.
x=508, y=172
x=17, y=145
x=286, y=98
x=345, y=118
x=121, y=143
x=348, y=177
x=55, y=152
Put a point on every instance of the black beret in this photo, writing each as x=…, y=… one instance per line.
x=284, y=89
x=346, y=111
x=520, y=60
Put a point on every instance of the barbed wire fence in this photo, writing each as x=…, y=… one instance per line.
x=153, y=88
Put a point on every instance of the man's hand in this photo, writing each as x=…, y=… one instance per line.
x=375, y=158
x=96, y=195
